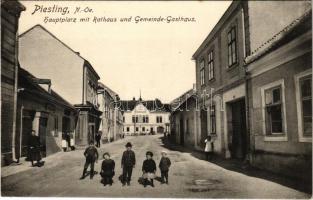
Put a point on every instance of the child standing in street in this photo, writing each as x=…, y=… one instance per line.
x=128, y=163
x=164, y=166
x=208, y=147
x=91, y=155
x=148, y=169
x=107, y=169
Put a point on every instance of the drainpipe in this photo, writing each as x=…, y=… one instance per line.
x=248, y=155
x=21, y=130
x=15, y=95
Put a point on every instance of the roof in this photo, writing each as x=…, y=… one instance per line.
x=178, y=102
x=233, y=6
x=151, y=105
x=109, y=90
x=65, y=45
x=294, y=29
x=27, y=81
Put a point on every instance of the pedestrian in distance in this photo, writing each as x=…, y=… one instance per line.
x=91, y=155
x=128, y=163
x=107, y=170
x=148, y=169
x=34, y=149
x=164, y=166
x=208, y=147
x=98, y=139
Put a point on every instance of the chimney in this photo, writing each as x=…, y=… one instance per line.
x=44, y=83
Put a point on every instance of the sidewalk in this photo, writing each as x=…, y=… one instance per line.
x=244, y=168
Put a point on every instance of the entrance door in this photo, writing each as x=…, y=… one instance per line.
x=239, y=134
x=91, y=133
x=42, y=134
x=27, y=127
x=181, y=132
x=204, y=125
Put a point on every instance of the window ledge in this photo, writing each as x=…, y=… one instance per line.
x=275, y=139
x=233, y=66
x=305, y=139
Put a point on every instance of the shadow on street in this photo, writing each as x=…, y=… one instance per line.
x=240, y=167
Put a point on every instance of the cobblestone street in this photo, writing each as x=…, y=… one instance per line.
x=189, y=177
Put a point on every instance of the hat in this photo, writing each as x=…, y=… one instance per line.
x=106, y=153
x=149, y=153
x=128, y=144
x=163, y=152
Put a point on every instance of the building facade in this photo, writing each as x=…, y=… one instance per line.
x=220, y=84
x=183, y=120
x=221, y=75
x=41, y=109
x=44, y=55
x=10, y=13
x=280, y=100
x=145, y=117
x=111, y=125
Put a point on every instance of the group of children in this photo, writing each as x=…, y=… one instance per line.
x=128, y=162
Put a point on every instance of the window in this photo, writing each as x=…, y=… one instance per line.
x=123, y=119
x=306, y=101
x=145, y=119
x=137, y=129
x=274, y=120
x=143, y=129
x=304, y=105
x=187, y=127
x=212, y=120
x=232, y=51
x=159, y=119
x=273, y=112
x=127, y=129
x=202, y=72
x=134, y=119
x=211, y=65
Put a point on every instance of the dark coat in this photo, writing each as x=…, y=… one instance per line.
x=165, y=164
x=107, y=167
x=34, y=147
x=128, y=159
x=149, y=166
x=91, y=154
x=98, y=137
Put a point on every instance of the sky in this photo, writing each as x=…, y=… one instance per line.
x=152, y=57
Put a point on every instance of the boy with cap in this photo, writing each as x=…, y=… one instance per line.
x=107, y=169
x=91, y=155
x=164, y=166
x=148, y=169
x=128, y=163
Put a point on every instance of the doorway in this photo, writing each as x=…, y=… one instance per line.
x=238, y=147
x=43, y=122
x=204, y=125
x=91, y=132
x=181, y=132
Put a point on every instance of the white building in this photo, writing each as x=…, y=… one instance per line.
x=145, y=117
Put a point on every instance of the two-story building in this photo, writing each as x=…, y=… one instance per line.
x=10, y=13
x=220, y=84
x=111, y=125
x=145, y=117
x=46, y=56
